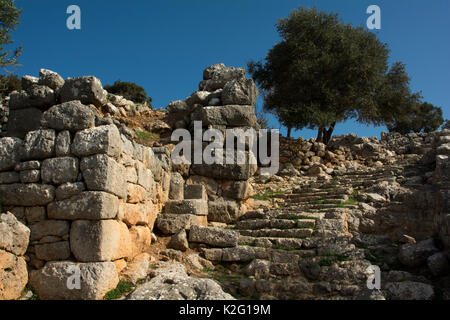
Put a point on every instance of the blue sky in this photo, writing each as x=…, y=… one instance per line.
x=165, y=45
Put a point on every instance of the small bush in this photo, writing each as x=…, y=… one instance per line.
x=122, y=288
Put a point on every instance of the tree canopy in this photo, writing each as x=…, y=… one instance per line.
x=130, y=91
x=9, y=19
x=324, y=71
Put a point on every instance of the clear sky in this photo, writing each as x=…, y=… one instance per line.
x=164, y=45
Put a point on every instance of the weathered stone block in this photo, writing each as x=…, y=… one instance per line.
x=28, y=195
x=39, y=144
x=28, y=165
x=88, y=90
x=46, y=228
x=102, y=173
x=10, y=153
x=145, y=176
x=103, y=139
x=195, y=191
x=96, y=280
x=22, y=121
x=50, y=79
x=213, y=236
x=141, y=239
x=231, y=115
x=35, y=214
x=88, y=205
x=13, y=282
x=193, y=206
x=72, y=116
x=240, y=92
x=60, y=170
x=106, y=240
x=9, y=177
x=69, y=189
x=176, y=191
x=173, y=223
x=238, y=190
x=62, y=145
x=56, y=251
x=13, y=235
x=134, y=214
x=30, y=176
x=225, y=211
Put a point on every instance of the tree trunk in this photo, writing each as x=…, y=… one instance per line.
x=328, y=133
x=289, y=129
x=320, y=135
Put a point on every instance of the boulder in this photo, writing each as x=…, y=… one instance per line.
x=137, y=269
x=179, y=241
x=438, y=264
x=50, y=79
x=28, y=195
x=45, y=228
x=14, y=236
x=230, y=116
x=225, y=211
x=103, y=173
x=176, y=191
x=13, y=276
x=39, y=144
x=28, y=82
x=216, y=237
x=193, y=206
x=87, y=89
x=171, y=282
x=105, y=240
x=60, y=170
x=96, y=279
x=409, y=290
x=11, y=151
x=416, y=254
x=177, y=106
x=170, y=224
x=36, y=96
x=88, y=205
x=99, y=140
x=72, y=116
x=240, y=92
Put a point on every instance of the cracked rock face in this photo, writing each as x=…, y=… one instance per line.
x=170, y=282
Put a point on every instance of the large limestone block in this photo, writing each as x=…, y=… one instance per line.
x=36, y=96
x=103, y=173
x=145, y=176
x=50, y=79
x=88, y=90
x=13, y=276
x=60, y=170
x=72, y=116
x=195, y=191
x=141, y=239
x=234, y=171
x=225, y=211
x=21, y=121
x=55, y=251
x=216, y=76
x=137, y=269
x=216, y=237
x=10, y=153
x=96, y=279
x=176, y=191
x=170, y=224
x=230, y=115
x=136, y=193
x=238, y=190
x=104, y=240
x=27, y=195
x=88, y=205
x=14, y=236
x=136, y=214
x=240, y=92
x=99, y=140
x=193, y=206
x=46, y=228
x=39, y=144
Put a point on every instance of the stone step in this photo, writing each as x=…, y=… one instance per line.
x=319, y=201
x=279, y=233
x=275, y=224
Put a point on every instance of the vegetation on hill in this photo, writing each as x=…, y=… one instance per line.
x=130, y=91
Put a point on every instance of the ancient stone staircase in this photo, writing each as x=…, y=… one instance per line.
x=304, y=250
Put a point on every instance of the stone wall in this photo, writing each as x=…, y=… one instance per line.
x=89, y=195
